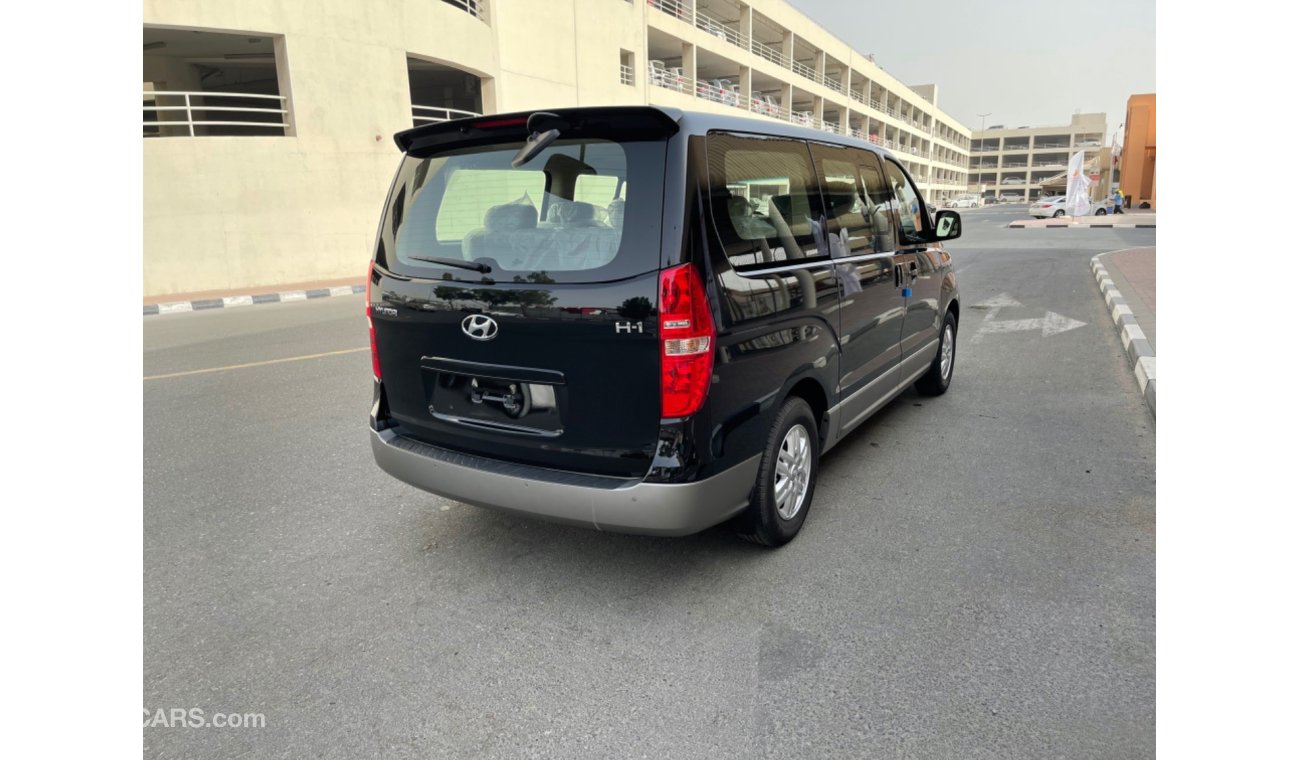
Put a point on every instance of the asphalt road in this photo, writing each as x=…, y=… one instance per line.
x=976, y=578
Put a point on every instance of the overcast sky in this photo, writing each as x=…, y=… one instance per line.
x=1024, y=63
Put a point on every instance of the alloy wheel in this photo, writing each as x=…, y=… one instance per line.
x=793, y=471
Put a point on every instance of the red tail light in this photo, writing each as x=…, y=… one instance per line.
x=687, y=337
x=374, y=350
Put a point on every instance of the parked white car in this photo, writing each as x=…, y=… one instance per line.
x=964, y=203
x=1054, y=206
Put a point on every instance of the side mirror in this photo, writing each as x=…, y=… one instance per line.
x=947, y=224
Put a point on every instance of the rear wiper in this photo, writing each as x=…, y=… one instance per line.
x=477, y=267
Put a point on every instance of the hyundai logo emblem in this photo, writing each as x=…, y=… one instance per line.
x=479, y=327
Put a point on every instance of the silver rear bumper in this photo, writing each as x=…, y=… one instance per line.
x=624, y=505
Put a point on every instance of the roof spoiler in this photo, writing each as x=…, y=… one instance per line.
x=625, y=122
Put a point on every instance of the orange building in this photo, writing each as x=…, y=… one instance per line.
x=1137, y=167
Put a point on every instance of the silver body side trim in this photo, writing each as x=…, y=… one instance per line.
x=821, y=262
x=838, y=429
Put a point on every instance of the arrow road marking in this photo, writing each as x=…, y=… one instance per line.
x=991, y=308
x=1051, y=324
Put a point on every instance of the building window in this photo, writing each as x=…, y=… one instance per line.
x=626, y=67
x=475, y=8
x=199, y=83
x=440, y=92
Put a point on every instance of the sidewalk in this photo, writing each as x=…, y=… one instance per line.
x=1126, y=220
x=1127, y=279
x=225, y=299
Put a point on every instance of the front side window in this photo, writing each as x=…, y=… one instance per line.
x=857, y=201
x=765, y=201
x=912, y=214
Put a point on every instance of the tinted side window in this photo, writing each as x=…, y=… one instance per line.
x=764, y=200
x=912, y=214
x=856, y=200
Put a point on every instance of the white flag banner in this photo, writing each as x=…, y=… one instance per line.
x=1077, y=202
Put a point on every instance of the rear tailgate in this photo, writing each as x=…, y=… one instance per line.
x=514, y=307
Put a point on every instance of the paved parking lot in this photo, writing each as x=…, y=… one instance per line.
x=976, y=578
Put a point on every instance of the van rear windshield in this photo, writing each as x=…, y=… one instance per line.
x=583, y=210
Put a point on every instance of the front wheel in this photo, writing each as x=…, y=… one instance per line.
x=787, y=477
x=935, y=381
x=1060, y=212
x=1100, y=212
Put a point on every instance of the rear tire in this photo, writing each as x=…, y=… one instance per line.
x=935, y=382
x=787, y=477
x=1100, y=212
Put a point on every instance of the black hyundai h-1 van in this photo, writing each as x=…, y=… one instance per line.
x=644, y=320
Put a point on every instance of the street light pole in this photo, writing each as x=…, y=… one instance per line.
x=981, y=162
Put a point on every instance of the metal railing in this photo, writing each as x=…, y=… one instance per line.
x=475, y=8
x=769, y=53
x=803, y=70
x=718, y=29
x=670, y=79
x=188, y=104
x=426, y=114
x=765, y=107
x=625, y=74
x=673, y=79
x=833, y=84
x=671, y=7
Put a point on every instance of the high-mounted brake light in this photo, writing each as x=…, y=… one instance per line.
x=499, y=123
x=374, y=350
x=687, y=335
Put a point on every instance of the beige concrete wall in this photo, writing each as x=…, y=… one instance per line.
x=233, y=212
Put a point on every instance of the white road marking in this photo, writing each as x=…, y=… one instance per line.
x=256, y=364
x=993, y=306
x=1050, y=324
